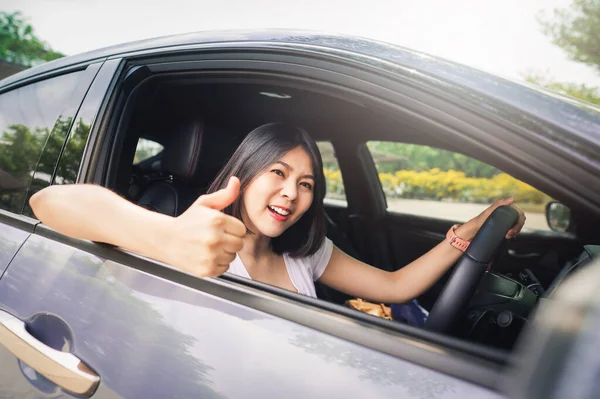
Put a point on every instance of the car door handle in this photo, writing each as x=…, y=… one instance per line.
x=62, y=368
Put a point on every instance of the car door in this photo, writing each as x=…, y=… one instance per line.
x=148, y=331
x=135, y=328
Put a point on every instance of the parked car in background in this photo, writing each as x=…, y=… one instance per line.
x=411, y=144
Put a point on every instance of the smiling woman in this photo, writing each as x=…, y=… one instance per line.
x=279, y=166
x=281, y=203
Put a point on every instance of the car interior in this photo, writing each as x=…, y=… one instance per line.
x=199, y=120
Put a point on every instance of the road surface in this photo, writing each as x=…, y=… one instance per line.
x=456, y=211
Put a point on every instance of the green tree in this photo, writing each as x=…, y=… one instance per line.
x=580, y=91
x=19, y=149
x=21, y=154
x=576, y=30
x=18, y=43
x=390, y=157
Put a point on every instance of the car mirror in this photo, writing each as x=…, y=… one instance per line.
x=557, y=355
x=558, y=216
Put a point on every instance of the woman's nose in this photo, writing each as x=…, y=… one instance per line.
x=290, y=190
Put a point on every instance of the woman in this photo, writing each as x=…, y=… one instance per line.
x=262, y=219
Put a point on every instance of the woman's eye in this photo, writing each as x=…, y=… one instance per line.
x=307, y=185
x=278, y=172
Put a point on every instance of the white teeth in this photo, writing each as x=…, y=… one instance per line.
x=280, y=211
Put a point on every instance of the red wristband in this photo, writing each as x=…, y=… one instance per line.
x=455, y=240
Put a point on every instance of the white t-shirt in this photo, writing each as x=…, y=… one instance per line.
x=303, y=272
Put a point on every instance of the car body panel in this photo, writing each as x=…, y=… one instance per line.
x=11, y=239
x=151, y=338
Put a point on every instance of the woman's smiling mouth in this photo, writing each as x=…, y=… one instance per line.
x=279, y=213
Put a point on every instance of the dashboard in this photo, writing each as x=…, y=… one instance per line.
x=502, y=304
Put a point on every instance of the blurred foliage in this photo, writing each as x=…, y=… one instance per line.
x=435, y=184
x=576, y=30
x=20, y=149
x=19, y=44
x=146, y=149
x=416, y=171
x=576, y=90
x=21, y=154
x=390, y=157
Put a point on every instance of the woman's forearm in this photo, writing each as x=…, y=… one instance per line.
x=95, y=213
x=418, y=276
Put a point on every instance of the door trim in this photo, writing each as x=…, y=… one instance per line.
x=19, y=221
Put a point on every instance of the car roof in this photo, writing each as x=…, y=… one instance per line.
x=491, y=92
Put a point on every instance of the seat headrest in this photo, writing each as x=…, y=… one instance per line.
x=197, y=150
x=180, y=157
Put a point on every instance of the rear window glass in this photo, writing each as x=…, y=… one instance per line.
x=146, y=149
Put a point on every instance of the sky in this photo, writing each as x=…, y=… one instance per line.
x=501, y=37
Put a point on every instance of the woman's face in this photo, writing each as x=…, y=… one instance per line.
x=277, y=198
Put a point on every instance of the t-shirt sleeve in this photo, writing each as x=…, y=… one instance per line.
x=320, y=259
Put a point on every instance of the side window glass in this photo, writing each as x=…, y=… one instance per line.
x=68, y=167
x=432, y=182
x=29, y=116
x=146, y=149
x=335, y=195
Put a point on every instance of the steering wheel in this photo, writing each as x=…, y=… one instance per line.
x=470, y=268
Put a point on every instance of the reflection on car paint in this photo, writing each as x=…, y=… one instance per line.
x=179, y=342
x=11, y=239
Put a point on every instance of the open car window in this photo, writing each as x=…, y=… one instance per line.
x=362, y=231
x=432, y=182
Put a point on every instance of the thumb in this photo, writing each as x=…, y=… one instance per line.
x=221, y=199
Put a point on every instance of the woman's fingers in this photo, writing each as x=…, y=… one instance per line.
x=232, y=244
x=519, y=225
x=217, y=270
x=234, y=227
x=509, y=202
x=224, y=258
x=204, y=240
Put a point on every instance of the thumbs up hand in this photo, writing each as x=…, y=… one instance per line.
x=221, y=199
x=203, y=240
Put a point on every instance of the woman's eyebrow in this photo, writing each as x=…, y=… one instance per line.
x=289, y=167
x=284, y=164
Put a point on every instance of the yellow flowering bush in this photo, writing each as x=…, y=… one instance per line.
x=334, y=181
x=436, y=184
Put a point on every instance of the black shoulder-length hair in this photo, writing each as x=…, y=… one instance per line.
x=264, y=146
